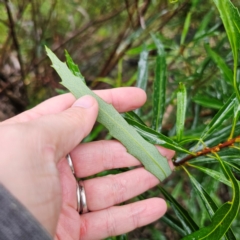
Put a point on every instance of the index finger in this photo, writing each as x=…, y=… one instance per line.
x=123, y=99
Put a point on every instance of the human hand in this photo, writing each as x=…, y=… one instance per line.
x=34, y=145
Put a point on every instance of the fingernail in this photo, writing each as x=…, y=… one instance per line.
x=84, y=102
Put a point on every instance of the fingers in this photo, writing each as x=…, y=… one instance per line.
x=57, y=134
x=123, y=99
x=100, y=156
x=105, y=155
x=111, y=190
x=121, y=219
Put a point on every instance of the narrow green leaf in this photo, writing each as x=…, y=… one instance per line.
x=224, y=216
x=133, y=116
x=231, y=20
x=122, y=237
x=210, y=32
x=214, y=174
x=201, y=31
x=137, y=50
x=156, y=138
x=181, y=110
x=113, y=121
x=207, y=201
x=186, y=220
x=159, y=86
x=209, y=204
x=227, y=72
x=208, y=102
x=186, y=27
x=73, y=67
x=235, y=167
x=107, y=80
x=142, y=77
x=94, y=134
x=223, y=114
x=173, y=224
x=235, y=116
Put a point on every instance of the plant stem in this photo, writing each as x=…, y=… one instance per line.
x=206, y=151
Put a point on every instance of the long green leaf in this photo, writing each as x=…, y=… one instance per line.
x=235, y=116
x=133, y=116
x=224, y=216
x=186, y=220
x=181, y=110
x=117, y=126
x=142, y=77
x=186, y=27
x=159, y=86
x=231, y=20
x=223, y=114
x=156, y=138
x=173, y=223
x=207, y=201
x=214, y=174
x=208, y=102
x=221, y=64
x=201, y=31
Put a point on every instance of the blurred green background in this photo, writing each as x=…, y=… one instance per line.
x=106, y=38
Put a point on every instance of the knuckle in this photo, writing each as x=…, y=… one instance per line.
x=107, y=157
x=134, y=216
x=111, y=225
x=118, y=188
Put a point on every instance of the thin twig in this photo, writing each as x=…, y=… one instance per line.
x=207, y=150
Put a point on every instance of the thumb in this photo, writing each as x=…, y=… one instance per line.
x=60, y=133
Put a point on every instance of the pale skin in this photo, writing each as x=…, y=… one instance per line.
x=34, y=169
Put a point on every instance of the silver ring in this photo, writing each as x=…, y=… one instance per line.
x=78, y=197
x=83, y=199
x=81, y=195
x=70, y=163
